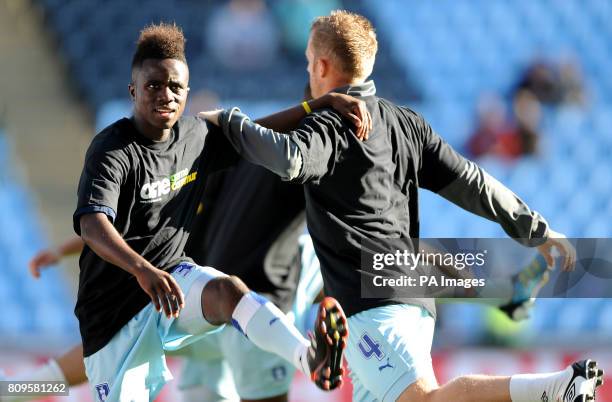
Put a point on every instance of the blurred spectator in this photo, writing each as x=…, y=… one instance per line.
x=542, y=84
x=295, y=17
x=542, y=80
x=242, y=35
x=495, y=133
x=553, y=84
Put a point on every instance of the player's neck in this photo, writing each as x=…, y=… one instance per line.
x=150, y=132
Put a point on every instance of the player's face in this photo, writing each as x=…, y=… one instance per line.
x=159, y=90
x=314, y=70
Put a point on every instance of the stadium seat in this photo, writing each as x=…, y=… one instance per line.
x=20, y=238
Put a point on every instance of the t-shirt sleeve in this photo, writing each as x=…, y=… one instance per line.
x=218, y=147
x=284, y=154
x=99, y=185
x=464, y=183
x=440, y=163
x=315, y=139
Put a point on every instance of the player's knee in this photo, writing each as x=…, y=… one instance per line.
x=220, y=297
x=234, y=289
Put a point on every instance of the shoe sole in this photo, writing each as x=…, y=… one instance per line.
x=510, y=308
x=332, y=327
x=588, y=369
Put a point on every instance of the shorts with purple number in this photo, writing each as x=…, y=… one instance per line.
x=389, y=348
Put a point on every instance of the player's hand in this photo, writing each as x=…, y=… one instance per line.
x=163, y=290
x=564, y=247
x=42, y=260
x=211, y=116
x=353, y=109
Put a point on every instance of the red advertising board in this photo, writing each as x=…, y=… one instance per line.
x=447, y=364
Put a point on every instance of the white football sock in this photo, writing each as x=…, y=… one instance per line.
x=268, y=328
x=539, y=387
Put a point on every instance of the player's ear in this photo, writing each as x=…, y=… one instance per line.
x=132, y=91
x=324, y=67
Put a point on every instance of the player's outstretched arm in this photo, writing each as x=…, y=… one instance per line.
x=47, y=257
x=470, y=187
x=464, y=183
x=302, y=155
x=99, y=234
x=259, y=145
x=353, y=109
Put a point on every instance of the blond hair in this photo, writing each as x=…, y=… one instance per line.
x=349, y=39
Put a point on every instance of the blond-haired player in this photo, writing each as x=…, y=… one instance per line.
x=360, y=191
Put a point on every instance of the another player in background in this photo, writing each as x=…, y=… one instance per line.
x=249, y=226
x=357, y=191
x=141, y=183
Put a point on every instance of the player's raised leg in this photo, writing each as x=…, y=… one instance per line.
x=516, y=296
x=526, y=286
x=227, y=300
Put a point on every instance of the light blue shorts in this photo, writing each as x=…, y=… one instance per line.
x=228, y=365
x=388, y=349
x=132, y=366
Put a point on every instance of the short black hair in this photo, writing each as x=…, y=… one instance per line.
x=160, y=41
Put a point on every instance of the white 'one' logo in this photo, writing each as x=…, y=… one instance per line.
x=153, y=192
x=156, y=189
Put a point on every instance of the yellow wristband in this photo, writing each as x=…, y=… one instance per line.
x=306, y=107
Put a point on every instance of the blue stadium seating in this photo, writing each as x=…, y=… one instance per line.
x=97, y=41
x=30, y=307
x=487, y=45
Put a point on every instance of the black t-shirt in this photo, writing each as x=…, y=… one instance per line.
x=367, y=191
x=358, y=191
x=249, y=226
x=150, y=191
